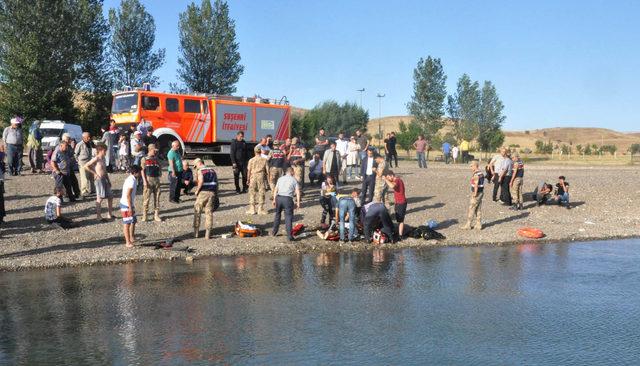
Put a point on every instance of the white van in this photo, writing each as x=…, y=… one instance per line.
x=52, y=131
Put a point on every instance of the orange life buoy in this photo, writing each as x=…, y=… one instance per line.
x=529, y=232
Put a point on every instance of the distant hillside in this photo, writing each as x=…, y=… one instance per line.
x=560, y=135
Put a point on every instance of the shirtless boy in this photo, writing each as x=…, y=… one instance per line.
x=98, y=167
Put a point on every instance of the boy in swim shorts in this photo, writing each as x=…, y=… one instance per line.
x=127, y=205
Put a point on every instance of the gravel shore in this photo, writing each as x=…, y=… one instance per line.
x=605, y=201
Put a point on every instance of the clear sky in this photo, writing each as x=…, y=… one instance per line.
x=555, y=63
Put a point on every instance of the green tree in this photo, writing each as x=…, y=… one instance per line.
x=579, y=148
x=333, y=117
x=43, y=65
x=408, y=135
x=429, y=92
x=131, y=48
x=209, y=58
x=464, y=108
x=490, y=121
x=634, y=149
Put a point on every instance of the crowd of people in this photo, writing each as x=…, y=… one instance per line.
x=271, y=165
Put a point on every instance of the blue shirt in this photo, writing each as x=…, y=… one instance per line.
x=446, y=147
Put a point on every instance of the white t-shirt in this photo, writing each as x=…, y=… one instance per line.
x=342, y=146
x=130, y=182
x=50, y=208
x=369, y=170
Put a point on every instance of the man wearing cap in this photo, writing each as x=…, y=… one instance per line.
x=12, y=137
x=277, y=162
x=137, y=147
x=257, y=172
x=151, y=173
x=206, y=192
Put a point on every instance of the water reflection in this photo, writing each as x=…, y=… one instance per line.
x=319, y=308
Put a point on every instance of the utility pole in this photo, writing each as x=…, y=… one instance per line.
x=361, y=92
x=380, y=96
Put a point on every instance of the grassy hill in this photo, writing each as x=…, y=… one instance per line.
x=526, y=139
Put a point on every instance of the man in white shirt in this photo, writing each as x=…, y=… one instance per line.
x=127, y=205
x=137, y=147
x=494, y=168
x=342, y=146
x=368, y=173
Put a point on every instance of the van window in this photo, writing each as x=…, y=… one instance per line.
x=172, y=105
x=191, y=106
x=150, y=103
x=205, y=106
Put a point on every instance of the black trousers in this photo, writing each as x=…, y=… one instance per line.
x=315, y=176
x=505, y=193
x=174, y=186
x=74, y=184
x=496, y=186
x=368, y=185
x=327, y=209
x=283, y=203
x=392, y=156
x=241, y=168
x=377, y=216
x=62, y=222
x=3, y=213
x=64, y=180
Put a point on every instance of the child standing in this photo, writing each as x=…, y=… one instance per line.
x=127, y=205
x=98, y=167
x=123, y=153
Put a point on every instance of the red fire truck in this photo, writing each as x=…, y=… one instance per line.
x=204, y=124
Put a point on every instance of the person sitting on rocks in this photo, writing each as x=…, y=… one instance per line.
x=542, y=193
x=188, y=182
x=561, y=196
x=315, y=169
x=53, y=209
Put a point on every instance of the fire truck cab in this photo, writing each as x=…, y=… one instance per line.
x=204, y=124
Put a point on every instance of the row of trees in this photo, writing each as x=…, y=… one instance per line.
x=61, y=59
x=587, y=149
x=476, y=112
x=332, y=116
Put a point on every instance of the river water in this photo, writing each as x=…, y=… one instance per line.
x=569, y=304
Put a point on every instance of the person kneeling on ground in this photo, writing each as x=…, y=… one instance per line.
x=376, y=216
x=328, y=191
x=475, y=203
x=187, y=179
x=53, y=210
x=206, y=192
x=346, y=208
x=562, y=192
x=127, y=205
x=400, y=199
x=542, y=193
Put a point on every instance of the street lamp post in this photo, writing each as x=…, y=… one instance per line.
x=380, y=96
x=361, y=92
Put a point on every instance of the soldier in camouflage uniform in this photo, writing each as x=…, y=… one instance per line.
x=206, y=191
x=257, y=173
x=381, y=185
x=276, y=164
x=296, y=159
x=475, y=203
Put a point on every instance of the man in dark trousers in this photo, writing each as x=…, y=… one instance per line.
x=376, y=215
x=368, y=174
x=286, y=189
x=239, y=161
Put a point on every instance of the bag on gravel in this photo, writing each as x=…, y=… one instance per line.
x=246, y=231
x=426, y=233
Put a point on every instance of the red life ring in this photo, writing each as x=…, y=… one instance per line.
x=532, y=233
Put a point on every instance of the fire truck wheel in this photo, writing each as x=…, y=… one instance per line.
x=164, y=143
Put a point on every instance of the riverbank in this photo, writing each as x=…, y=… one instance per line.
x=605, y=204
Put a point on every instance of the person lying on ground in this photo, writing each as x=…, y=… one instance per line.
x=542, y=193
x=53, y=209
x=561, y=196
x=397, y=185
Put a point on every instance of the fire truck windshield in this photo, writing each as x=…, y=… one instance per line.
x=125, y=103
